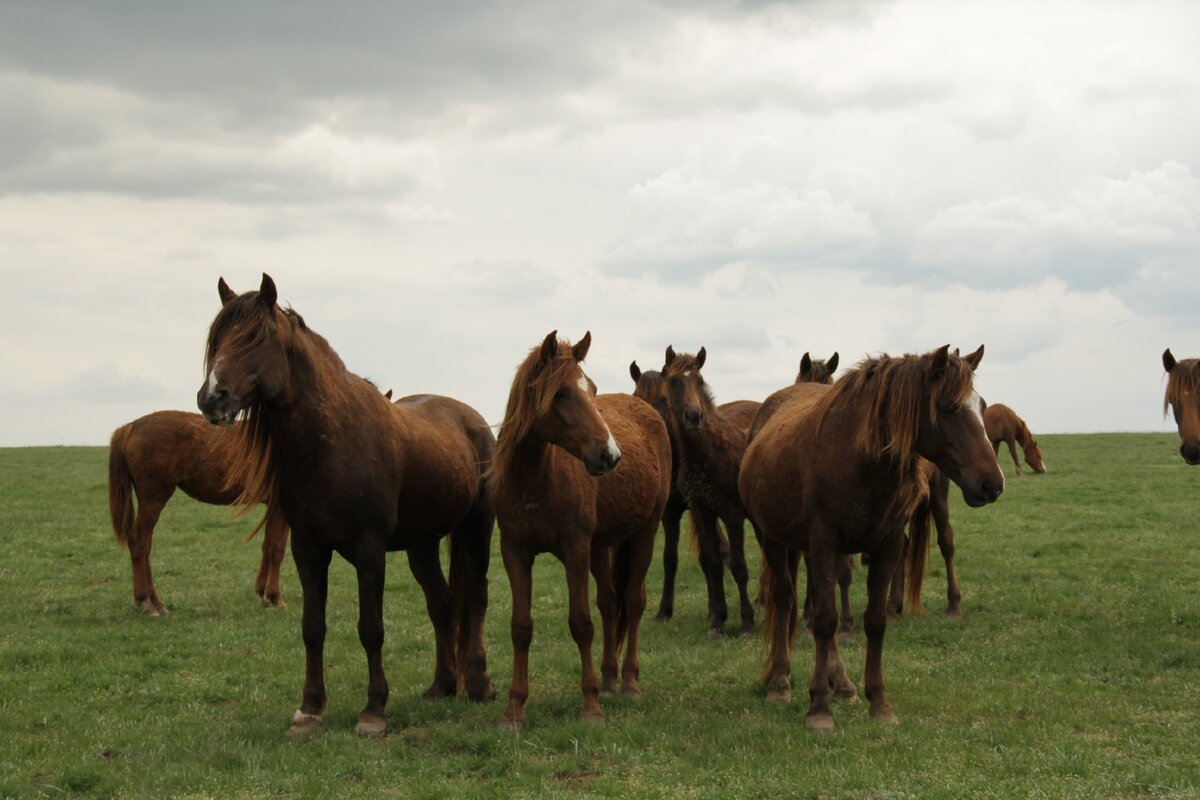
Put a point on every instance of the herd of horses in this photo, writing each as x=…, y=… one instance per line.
x=822, y=469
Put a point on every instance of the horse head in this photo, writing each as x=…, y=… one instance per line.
x=688, y=397
x=1183, y=397
x=814, y=370
x=246, y=355
x=951, y=434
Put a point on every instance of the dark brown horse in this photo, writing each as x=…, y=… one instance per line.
x=153, y=456
x=815, y=370
x=1183, y=398
x=355, y=474
x=650, y=387
x=934, y=506
x=710, y=449
x=1003, y=425
x=557, y=488
x=836, y=471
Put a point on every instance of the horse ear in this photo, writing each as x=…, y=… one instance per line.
x=805, y=364
x=669, y=357
x=549, y=346
x=1169, y=361
x=700, y=358
x=267, y=293
x=387, y=395
x=832, y=362
x=974, y=358
x=580, y=350
x=634, y=371
x=937, y=363
x=227, y=295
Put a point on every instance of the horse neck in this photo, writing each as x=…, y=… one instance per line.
x=311, y=399
x=895, y=484
x=530, y=470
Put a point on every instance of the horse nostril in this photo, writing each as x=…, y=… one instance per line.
x=692, y=416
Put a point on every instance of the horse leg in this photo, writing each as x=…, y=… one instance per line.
x=606, y=602
x=274, y=546
x=713, y=567
x=580, y=620
x=828, y=670
x=895, y=602
x=640, y=552
x=371, y=563
x=941, y=518
x=144, y=596
x=1012, y=449
x=312, y=565
x=518, y=563
x=884, y=562
x=670, y=522
x=470, y=558
x=426, y=565
x=777, y=622
x=734, y=527
x=845, y=577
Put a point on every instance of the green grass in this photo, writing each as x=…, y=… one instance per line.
x=1074, y=672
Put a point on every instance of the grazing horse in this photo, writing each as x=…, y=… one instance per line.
x=557, y=488
x=1003, y=425
x=355, y=474
x=1183, y=397
x=153, y=456
x=815, y=370
x=836, y=471
x=709, y=448
x=650, y=387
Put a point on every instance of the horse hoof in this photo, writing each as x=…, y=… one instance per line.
x=885, y=716
x=747, y=626
x=954, y=613
x=480, y=689
x=593, y=719
x=608, y=686
x=715, y=634
x=437, y=692
x=847, y=695
x=819, y=723
x=511, y=725
x=303, y=724
x=631, y=690
x=779, y=695
x=371, y=726
x=662, y=616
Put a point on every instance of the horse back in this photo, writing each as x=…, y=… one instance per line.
x=632, y=496
x=169, y=449
x=1002, y=423
x=740, y=413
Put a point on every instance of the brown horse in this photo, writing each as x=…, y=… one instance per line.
x=650, y=387
x=355, y=474
x=557, y=488
x=153, y=456
x=817, y=371
x=836, y=471
x=934, y=506
x=1183, y=397
x=1003, y=425
x=710, y=449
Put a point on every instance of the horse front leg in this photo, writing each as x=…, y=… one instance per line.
x=640, y=552
x=312, y=565
x=580, y=621
x=713, y=566
x=371, y=564
x=518, y=563
x=828, y=669
x=734, y=527
x=884, y=562
x=845, y=577
x=426, y=565
x=670, y=523
x=606, y=602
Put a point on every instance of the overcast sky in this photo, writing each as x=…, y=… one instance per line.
x=435, y=186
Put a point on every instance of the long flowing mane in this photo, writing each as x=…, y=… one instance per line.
x=1183, y=383
x=241, y=326
x=890, y=391
x=530, y=398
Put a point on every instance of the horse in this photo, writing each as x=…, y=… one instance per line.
x=836, y=471
x=815, y=370
x=1183, y=398
x=935, y=506
x=650, y=387
x=556, y=487
x=1003, y=425
x=709, y=448
x=356, y=474
x=153, y=456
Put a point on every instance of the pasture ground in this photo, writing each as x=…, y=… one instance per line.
x=1074, y=672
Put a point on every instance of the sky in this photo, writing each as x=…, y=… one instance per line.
x=436, y=186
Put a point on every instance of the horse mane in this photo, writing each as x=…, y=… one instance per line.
x=530, y=398
x=889, y=389
x=1183, y=381
x=248, y=323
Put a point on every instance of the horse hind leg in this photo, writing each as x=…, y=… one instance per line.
x=371, y=561
x=884, y=564
x=1012, y=449
x=670, y=523
x=735, y=527
x=637, y=554
x=469, y=561
x=713, y=567
x=845, y=577
x=582, y=631
x=425, y=563
x=274, y=547
x=144, y=595
x=518, y=563
x=606, y=603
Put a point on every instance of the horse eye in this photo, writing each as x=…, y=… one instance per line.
x=949, y=409
x=562, y=394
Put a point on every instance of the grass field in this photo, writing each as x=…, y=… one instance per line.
x=1074, y=672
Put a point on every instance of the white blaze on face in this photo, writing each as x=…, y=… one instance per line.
x=614, y=452
x=583, y=385
x=212, y=377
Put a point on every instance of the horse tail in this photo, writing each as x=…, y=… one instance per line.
x=470, y=550
x=771, y=616
x=917, y=555
x=120, y=487
x=622, y=556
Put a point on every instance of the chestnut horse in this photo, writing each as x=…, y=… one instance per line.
x=153, y=456
x=650, y=387
x=1003, y=425
x=355, y=474
x=1183, y=397
x=934, y=506
x=557, y=488
x=815, y=370
x=836, y=471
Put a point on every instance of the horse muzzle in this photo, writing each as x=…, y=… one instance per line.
x=218, y=407
x=1190, y=453
x=603, y=459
